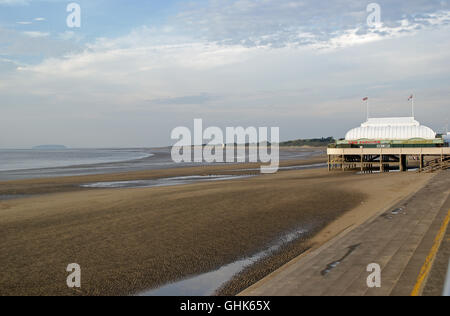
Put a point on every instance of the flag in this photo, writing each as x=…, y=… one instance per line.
x=411, y=97
x=366, y=99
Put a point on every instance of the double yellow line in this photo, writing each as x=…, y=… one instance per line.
x=431, y=256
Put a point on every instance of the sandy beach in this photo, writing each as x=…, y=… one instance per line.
x=132, y=240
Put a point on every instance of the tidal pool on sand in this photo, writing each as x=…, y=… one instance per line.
x=162, y=182
x=209, y=283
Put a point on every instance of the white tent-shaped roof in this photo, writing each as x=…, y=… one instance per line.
x=392, y=128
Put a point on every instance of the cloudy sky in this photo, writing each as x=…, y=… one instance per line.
x=136, y=69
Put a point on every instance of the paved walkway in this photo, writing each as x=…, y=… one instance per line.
x=435, y=283
x=399, y=241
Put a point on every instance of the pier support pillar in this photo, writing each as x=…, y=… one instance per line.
x=362, y=163
x=403, y=163
x=381, y=163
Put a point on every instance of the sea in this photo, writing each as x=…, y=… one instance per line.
x=16, y=164
x=36, y=159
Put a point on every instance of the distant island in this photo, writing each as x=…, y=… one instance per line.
x=50, y=147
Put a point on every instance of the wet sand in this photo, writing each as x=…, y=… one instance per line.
x=132, y=240
x=74, y=183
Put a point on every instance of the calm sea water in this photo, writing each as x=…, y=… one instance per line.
x=39, y=159
x=32, y=164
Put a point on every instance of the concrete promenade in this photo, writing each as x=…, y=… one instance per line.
x=409, y=243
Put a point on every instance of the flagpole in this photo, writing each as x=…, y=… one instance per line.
x=411, y=98
x=368, y=109
x=366, y=99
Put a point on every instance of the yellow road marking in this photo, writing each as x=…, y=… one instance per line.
x=428, y=262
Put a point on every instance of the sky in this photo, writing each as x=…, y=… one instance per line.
x=134, y=70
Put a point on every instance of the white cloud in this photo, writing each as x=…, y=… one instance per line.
x=73, y=37
x=279, y=22
x=36, y=34
x=14, y=2
x=140, y=67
